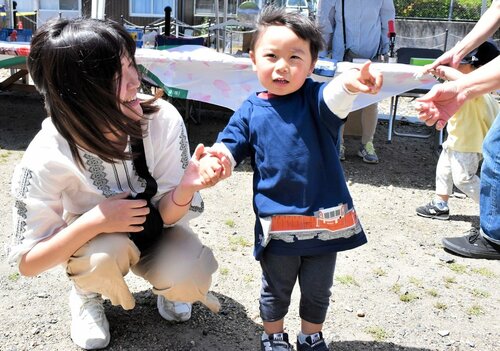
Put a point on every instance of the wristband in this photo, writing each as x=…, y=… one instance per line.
x=180, y=205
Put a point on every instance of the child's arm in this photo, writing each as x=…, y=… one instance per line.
x=341, y=92
x=447, y=73
x=202, y=171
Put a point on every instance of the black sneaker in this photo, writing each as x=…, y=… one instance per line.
x=276, y=342
x=313, y=342
x=472, y=245
x=431, y=210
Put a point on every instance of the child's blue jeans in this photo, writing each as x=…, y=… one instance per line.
x=279, y=274
x=489, y=201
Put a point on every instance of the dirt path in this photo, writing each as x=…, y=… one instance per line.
x=401, y=291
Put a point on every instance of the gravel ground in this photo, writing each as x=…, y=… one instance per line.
x=401, y=291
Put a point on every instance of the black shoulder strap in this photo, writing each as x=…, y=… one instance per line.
x=142, y=170
x=343, y=27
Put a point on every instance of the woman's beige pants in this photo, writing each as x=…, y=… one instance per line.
x=179, y=267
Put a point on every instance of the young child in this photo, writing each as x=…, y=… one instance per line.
x=462, y=150
x=107, y=185
x=304, y=211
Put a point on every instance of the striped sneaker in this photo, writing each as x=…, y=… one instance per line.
x=367, y=152
x=434, y=210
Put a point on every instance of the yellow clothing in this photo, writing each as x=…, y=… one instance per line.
x=468, y=127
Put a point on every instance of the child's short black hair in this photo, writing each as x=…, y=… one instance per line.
x=486, y=52
x=301, y=25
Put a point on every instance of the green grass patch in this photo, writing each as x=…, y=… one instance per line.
x=485, y=272
x=396, y=288
x=238, y=240
x=458, y=268
x=346, y=280
x=14, y=277
x=475, y=310
x=433, y=292
x=408, y=297
x=440, y=306
x=417, y=282
x=378, y=333
x=224, y=271
x=230, y=223
x=379, y=272
x=480, y=293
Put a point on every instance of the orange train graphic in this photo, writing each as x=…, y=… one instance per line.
x=333, y=219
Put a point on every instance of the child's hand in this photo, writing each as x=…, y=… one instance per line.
x=365, y=80
x=117, y=214
x=447, y=73
x=205, y=170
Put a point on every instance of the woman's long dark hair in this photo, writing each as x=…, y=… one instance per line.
x=76, y=65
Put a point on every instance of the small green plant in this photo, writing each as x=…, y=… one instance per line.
x=14, y=277
x=408, y=297
x=485, y=272
x=458, y=268
x=238, y=240
x=475, y=310
x=378, y=333
x=433, y=292
x=480, y=293
x=440, y=306
x=224, y=271
x=448, y=281
x=379, y=272
x=248, y=278
x=346, y=280
x=417, y=282
x=230, y=223
x=396, y=288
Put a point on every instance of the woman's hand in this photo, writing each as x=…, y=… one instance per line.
x=205, y=170
x=117, y=214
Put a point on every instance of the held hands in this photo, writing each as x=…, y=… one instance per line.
x=365, y=80
x=205, y=170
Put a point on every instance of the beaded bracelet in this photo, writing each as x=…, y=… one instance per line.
x=180, y=205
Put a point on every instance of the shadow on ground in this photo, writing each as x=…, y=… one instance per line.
x=370, y=346
x=143, y=329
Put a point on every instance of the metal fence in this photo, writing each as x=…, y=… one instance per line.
x=450, y=10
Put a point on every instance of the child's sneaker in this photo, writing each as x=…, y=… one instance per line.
x=314, y=342
x=89, y=326
x=275, y=342
x=367, y=152
x=434, y=210
x=173, y=311
x=342, y=152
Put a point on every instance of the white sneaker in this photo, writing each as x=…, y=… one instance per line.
x=89, y=326
x=174, y=311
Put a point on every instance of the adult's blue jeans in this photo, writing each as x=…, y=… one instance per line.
x=489, y=199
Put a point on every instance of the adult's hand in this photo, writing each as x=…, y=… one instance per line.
x=440, y=104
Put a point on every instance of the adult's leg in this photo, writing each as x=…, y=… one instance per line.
x=180, y=268
x=486, y=243
x=489, y=203
x=369, y=118
x=100, y=265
